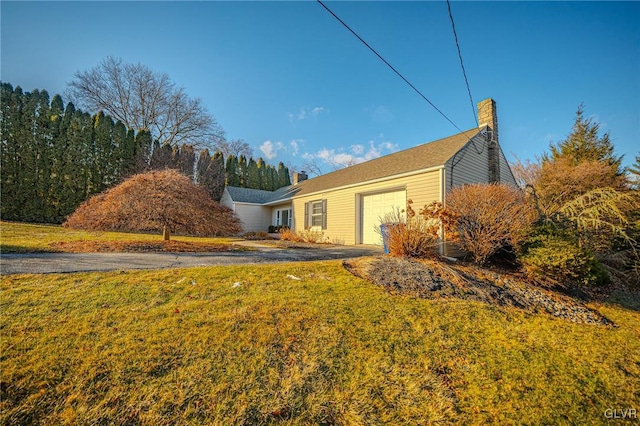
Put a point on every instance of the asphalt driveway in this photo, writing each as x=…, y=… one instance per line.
x=45, y=263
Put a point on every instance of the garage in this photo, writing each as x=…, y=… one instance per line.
x=375, y=206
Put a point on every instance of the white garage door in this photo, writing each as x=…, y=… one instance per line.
x=374, y=207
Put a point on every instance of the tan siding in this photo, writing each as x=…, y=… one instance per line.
x=469, y=165
x=343, y=206
x=253, y=217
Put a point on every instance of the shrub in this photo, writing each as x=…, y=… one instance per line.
x=306, y=236
x=153, y=201
x=487, y=218
x=411, y=235
x=562, y=260
x=287, y=234
x=256, y=235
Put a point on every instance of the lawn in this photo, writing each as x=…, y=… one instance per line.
x=293, y=344
x=28, y=238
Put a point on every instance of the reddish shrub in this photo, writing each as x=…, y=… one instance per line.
x=411, y=235
x=148, y=202
x=488, y=218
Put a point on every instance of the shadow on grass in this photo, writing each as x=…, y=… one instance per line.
x=625, y=299
x=5, y=249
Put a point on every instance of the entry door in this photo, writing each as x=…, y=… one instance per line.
x=376, y=206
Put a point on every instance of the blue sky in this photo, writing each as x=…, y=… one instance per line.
x=291, y=81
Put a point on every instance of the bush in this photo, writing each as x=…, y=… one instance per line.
x=411, y=235
x=256, y=235
x=562, y=260
x=288, y=235
x=152, y=201
x=306, y=236
x=488, y=218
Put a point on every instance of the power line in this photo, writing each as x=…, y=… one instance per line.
x=389, y=65
x=464, y=73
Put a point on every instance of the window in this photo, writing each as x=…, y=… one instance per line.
x=283, y=217
x=315, y=214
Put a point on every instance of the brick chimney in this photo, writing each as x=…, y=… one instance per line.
x=300, y=177
x=488, y=116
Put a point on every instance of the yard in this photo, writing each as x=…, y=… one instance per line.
x=31, y=238
x=304, y=343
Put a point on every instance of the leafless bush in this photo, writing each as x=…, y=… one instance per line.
x=488, y=218
x=410, y=235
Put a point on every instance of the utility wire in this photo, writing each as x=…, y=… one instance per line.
x=464, y=73
x=389, y=65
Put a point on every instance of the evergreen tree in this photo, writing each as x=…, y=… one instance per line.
x=202, y=165
x=233, y=177
x=119, y=158
x=584, y=144
x=634, y=173
x=12, y=172
x=218, y=176
x=143, y=144
x=127, y=149
x=253, y=175
x=284, y=179
x=210, y=173
x=184, y=160
x=242, y=170
x=270, y=184
x=262, y=173
x=162, y=156
x=59, y=124
x=102, y=173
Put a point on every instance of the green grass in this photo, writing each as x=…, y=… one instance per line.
x=185, y=346
x=28, y=238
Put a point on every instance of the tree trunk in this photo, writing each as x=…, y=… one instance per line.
x=166, y=233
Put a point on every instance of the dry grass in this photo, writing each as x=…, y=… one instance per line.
x=239, y=345
x=28, y=238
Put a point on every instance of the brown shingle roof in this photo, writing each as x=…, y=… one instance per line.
x=424, y=156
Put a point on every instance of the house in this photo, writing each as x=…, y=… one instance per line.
x=346, y=205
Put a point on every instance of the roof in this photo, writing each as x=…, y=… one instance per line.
x=259, y=196
x=421, y=157
x=248, y=195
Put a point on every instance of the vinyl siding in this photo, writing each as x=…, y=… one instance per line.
x=226, y=200
x=254, y=217
x=506, y=174
x=469, y=165
x=343, y=205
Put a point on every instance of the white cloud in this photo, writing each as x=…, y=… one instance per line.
x=269, y=149
x=306, y=113
x=380, y=114
x=317, y=111
x=338, y=159
x=295, y=145
x=357, y=149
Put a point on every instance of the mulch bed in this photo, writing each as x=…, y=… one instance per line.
x=438, y=280
x=140, y=247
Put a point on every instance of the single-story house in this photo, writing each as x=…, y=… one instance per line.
x=346, y=205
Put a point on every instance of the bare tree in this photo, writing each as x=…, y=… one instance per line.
x=145, y=100
x=311, y=166
x=236, y=147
